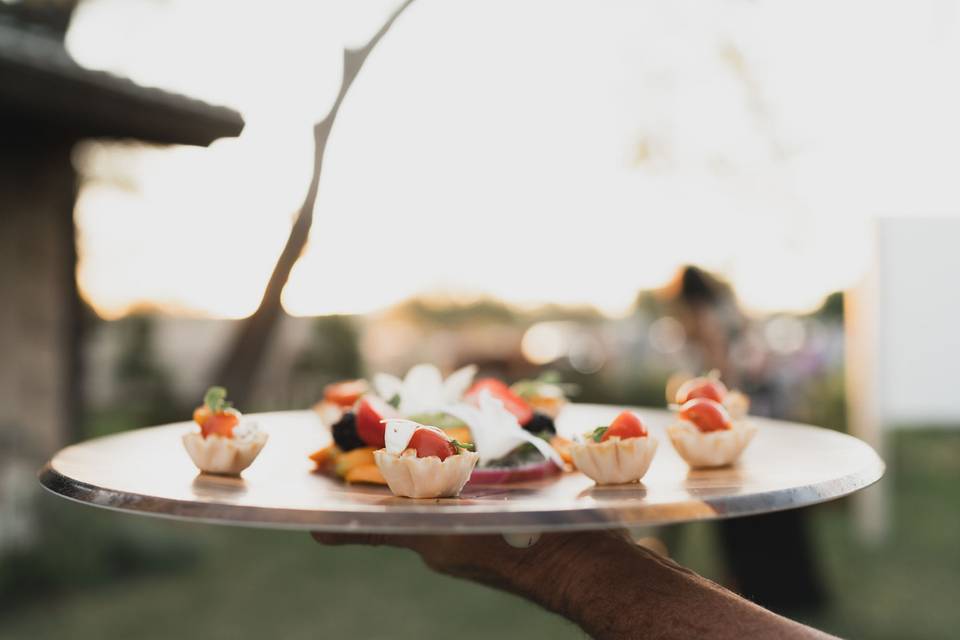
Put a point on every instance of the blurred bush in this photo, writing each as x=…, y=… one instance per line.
x=76, y=548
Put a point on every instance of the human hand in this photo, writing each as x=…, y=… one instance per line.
x=600, y=580
x=545, y=572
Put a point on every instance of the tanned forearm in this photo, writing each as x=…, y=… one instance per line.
x=615, y=590
x=611, y=588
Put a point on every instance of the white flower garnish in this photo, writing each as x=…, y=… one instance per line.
x=423, y=389
x=496, y=431
x=399, y=431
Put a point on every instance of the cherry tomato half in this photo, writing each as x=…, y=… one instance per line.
x=345, y=394
x=370, y=411
x=220, y=423
x=710, y=388
x=430, y=443
x=626, y=425
x=707, y=415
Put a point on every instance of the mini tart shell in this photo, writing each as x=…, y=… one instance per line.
x=411, y=477
x=711, y=449
x=614, y=461
x=225, y=456
x=737, y=405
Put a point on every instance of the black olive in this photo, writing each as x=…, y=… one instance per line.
x=540, y=423
x=345, y=432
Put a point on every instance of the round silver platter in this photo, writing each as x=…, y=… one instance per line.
x=147, y=471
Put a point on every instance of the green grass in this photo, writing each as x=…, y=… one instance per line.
x=245, y=583
x=908, y=586
x=106, y=575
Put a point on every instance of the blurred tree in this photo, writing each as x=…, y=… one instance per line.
x=832, y=308
x=648, y=303
x=333, y=353
x=52, y=15
x=145, y=388
x=76, y=550
x=447, y=312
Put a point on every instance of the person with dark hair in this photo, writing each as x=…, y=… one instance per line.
x=716, y=331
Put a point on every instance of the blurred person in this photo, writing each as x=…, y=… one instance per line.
x=600, y=580
x=720, y=337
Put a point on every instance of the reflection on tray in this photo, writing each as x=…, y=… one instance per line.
x=601, y=493
x=208, y=485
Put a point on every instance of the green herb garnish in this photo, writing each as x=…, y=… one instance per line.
x=439, y=420
x=532, y=387
x=523, y=455
x=216, y=399
x=469, y=446
x=598, y=433
x=551, y=377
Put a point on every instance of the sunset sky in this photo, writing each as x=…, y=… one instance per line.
x=537, y=151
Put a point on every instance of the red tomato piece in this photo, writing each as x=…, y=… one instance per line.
x=430, y=443
x=345, y=394
x=200, y=414
x=710, y=388
x=626, y=425
x=370, y=411
x=707, y=415
x=513, y=403
x=220, y=423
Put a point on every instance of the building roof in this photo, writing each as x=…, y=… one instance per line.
x=42, y=87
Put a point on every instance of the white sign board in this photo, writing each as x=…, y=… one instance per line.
x=904, y=329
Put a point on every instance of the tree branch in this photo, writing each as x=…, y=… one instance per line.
x=238, y=368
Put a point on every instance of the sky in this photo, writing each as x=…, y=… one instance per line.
x=536, y=151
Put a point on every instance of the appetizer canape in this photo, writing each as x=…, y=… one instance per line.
x=616, y=454
x=356, y=435
x=227, y=443
x=421, y=461
x=710, y=386
x=356, y=416
x=509, y=451
x=705, y=435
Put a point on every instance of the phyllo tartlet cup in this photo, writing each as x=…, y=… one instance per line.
x=614, y=461
x=224, y=456
x=704, y=450
x=411, y=477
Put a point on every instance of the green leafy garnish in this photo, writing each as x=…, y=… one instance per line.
x=394, y=401
x=468, y=446
x=216, y=399
x=523, y=455
x=551, y=377
x=533, y=387
x=439, y=420
x=598, y=433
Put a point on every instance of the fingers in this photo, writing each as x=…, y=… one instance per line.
x=441, y=553
x=367, y=539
